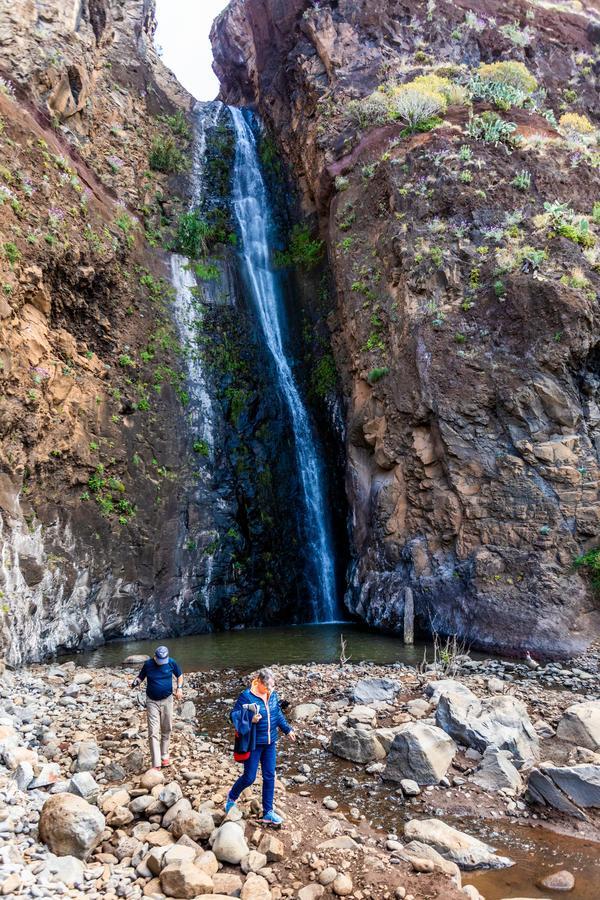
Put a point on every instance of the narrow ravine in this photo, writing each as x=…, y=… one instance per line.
x=252, y=211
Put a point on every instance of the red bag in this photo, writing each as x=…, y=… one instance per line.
x=238, y=755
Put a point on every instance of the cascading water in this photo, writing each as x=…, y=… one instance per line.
x=201, y=415
x=252, y=212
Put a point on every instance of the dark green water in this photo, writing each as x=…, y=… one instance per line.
x=251, y=648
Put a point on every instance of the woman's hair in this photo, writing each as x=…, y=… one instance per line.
x=266, y=675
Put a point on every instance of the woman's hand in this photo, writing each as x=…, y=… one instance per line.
x=256, y=718
x=292, y=736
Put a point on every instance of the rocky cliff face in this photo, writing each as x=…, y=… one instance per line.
x=465, y=250
x=94, y=469
x=146, y=475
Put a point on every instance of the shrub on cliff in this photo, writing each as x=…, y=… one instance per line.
x=192, y=235
x=420, y=102
x=165, y=156
x=370, y=111
x=573, y=123
x=504, y=84
x=303, y=251
x=515, y=74
x=417, y=106
x=492, y=129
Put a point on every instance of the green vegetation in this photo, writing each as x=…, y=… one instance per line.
x=206, y=272
x=324, y=376
x=590, y=561
x=127, y=225
x=192, y=235
x=522, y=180
x=505, y=84
x=201, y=448
x=165, y=156
x=303, y=251
x=179, y=125
x=376, y=375
x=12, y=252
x=492, y=129
x=269, y=154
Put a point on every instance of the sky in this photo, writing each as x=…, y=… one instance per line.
x=182, y=35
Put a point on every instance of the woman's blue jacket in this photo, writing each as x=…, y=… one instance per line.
x=273, y=719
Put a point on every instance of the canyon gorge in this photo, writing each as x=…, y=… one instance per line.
x=323, y=348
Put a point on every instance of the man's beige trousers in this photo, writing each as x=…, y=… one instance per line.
x=160, y=719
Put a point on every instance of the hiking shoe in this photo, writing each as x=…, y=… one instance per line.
x=229, y=805
x=271, y=818
x=166, y=762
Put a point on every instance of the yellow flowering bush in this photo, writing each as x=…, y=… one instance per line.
x=575, y=122
x=516, y=74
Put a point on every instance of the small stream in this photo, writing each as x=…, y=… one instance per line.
x=231, y=655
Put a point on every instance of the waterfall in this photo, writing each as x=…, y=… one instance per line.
x=252, y=212
x=201, y=415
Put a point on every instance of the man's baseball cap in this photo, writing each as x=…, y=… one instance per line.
x=161, y=655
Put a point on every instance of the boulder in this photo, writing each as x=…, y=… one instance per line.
x=373, y=690
x=497, y=772
x=558, y=881
x=228, y=884
x=152, y=778
x=466, y=851
x=498, y=721
x=567, y=788
x=360, y=745
x=70, y=826
x=421, y=753
x=169, y=794
x=254, y=862
x=580, y=725
x=208, y=861
x=386, y=736
x=272, y=847
x=178, y=853
x=255, y=888
x=23, y=775
x=49, y=774
x=342, y=885
x=182, y=806
x=304, y=712
x=84, y=785
x=435, y=689
x=114, y=799
x=362, y=715
x=541, y=789
x=419, y=850
x=185, y=880
x=188, y=711
x=67, y=869
x=88, y=756
x=311, y=892
x=229, y=844
x=410, y=788
x=196, y=825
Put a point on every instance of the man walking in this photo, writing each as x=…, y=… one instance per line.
x=159, y=673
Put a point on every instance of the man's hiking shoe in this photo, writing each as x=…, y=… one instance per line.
x=166, y=762
x=229, y=805
x=271, y=818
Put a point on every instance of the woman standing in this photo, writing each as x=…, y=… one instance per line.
x=267, y=720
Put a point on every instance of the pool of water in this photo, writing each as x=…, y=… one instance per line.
x=250, y=648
